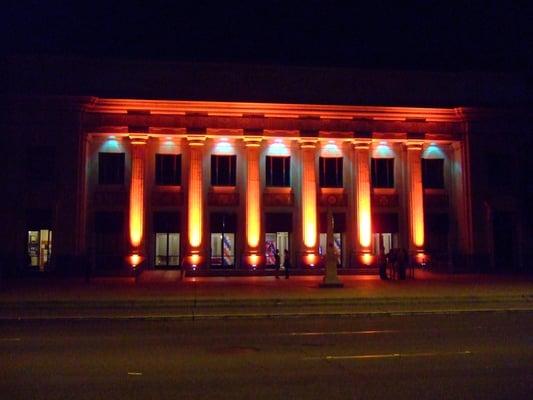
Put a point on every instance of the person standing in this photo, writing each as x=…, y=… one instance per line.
x=286, y=263
x=277, y=262
x=402, y=263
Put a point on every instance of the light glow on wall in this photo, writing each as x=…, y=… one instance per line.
x=195, y=195
x=311, y=260
x=254, y=260
x=309, y=196
x=253, y=210
x=134, y=260
x=195, y=260
x=367, y=259
x=137, y=194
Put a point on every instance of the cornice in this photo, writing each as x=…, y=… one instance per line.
x=273, y=110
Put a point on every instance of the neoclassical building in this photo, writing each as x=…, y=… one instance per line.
x=218, y=185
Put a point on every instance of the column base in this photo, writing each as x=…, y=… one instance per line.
x=331, y=285
x=331, y=279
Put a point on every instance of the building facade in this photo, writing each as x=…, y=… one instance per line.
x=106, y=182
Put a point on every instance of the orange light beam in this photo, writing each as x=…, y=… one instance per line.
x=137, y=193
x=195, y=194
x=364, y=214
x=253, y=210
x=416, y=194
x=309, y=195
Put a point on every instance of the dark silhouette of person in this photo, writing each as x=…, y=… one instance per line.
x=382, y=261
x=392, y=262
x=286, y=263
x=277, y=262
x=402, y=263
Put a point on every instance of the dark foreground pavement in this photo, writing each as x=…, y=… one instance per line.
x=160, y=295
x=470, y=356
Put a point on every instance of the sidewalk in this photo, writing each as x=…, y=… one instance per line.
x=162, y=294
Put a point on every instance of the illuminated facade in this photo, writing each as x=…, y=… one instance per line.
x=220, y=185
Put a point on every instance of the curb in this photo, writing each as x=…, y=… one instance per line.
x=203, y=317
x=272, y=302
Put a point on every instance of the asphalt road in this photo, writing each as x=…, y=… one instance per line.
x=468, y=356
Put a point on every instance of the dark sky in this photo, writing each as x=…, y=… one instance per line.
x=433, y=35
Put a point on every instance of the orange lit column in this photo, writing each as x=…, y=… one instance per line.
x=309, y=211
x=363, y=196
x=253, y=195
x=138, y=146
x=195, y=198
x=415, y=196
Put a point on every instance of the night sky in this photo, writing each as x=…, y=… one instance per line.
x=442, y=35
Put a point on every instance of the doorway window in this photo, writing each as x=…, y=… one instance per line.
x=39, y=248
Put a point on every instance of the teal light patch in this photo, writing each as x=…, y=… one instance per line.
x=224, y=147
x=433, y=151
x=112, y=145
x=278, y=149
x=383, y=151
x=331, y=150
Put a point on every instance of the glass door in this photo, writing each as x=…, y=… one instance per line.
x=384, y=242
x=39, y=248
x=222, y=250
x=167, y=249
x=337, y=246
x=276, y=241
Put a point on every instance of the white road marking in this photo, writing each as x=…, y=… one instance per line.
x=15, y=339
x=135, y=373
x=391, y=355
x=340, y=333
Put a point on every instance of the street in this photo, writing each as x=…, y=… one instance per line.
x=477, y=355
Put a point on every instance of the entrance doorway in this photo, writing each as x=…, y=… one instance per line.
x=223, y=231
x=39, y=248
x=167, y=249
x=337, y=246
x=276, y=241
x=278, y=228
x=384, y=232
x=339, y=229
x=167, y=239
x=384, y=242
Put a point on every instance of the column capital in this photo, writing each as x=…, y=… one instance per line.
x=413, y=144
x=456, y=145
x=138, y=139
x=309, y=143
x=252, y=141
x=196, y=140
x=363, y=144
